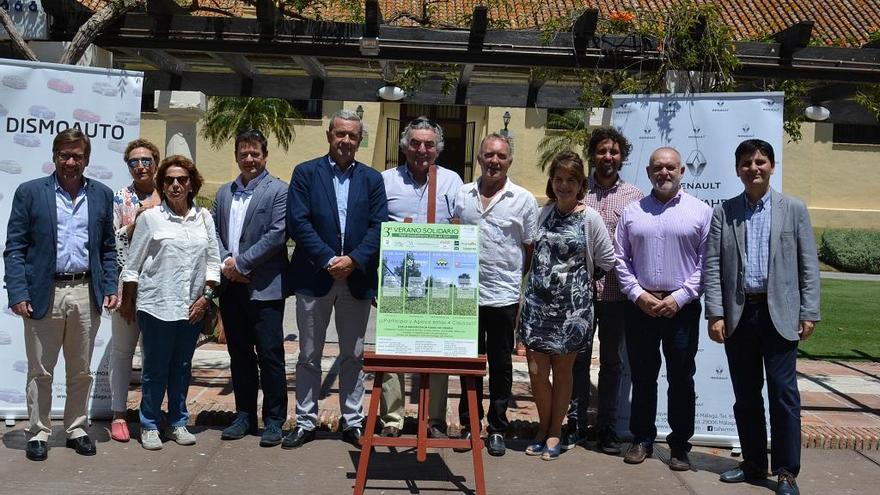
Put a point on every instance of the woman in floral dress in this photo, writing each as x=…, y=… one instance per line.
x=141, y=158
x=572, y=250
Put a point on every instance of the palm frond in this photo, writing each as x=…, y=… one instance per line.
x=227, y=115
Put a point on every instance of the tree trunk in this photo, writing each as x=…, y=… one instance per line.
x=18, y=43
x=93, y=27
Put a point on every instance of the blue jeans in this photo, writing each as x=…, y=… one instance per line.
x=168, y=350
x=678, y=338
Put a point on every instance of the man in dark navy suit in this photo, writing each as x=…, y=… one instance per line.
x=60, y=262
x=335, y=208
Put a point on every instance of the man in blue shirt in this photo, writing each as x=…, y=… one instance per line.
x=408, y=189
x=335, y=208
x=60, y=262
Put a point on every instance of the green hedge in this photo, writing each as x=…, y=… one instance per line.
x=851, y=250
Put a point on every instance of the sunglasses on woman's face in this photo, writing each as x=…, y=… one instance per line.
x=180, y=179
x=138, y=162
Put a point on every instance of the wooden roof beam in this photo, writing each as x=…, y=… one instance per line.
x=369, y=42
x=792, y=39
x=159, y=59
x=311, y=65
x=479, y=25
x=585, y=28
x=267, y=15
x=535, y=85
x=464, y=79
x=237, y=62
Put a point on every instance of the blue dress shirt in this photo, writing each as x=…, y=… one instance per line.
x=72, y=244
x=757, y=244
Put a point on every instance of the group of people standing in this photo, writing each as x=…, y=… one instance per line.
x=598, y=254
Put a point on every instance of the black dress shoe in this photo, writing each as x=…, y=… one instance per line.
x=609, y=443
x=37, y=450
x=787, y=484
x=743, y=473
x=464, y=435
x=82, y=445
x=435, y=431
x=353, y=436
x=297, y=438
x=390, y=432
x=495, y=445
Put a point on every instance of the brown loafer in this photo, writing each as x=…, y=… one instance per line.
x=679, y=462
x=390, y=431
x=637, y=453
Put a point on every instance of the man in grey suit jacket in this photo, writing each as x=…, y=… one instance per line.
x=762, y=297
x=251, y=233
x=60, y=270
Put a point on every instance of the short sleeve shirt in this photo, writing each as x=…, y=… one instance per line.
x=509, y=222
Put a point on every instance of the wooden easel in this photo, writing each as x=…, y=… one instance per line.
x=469, y=368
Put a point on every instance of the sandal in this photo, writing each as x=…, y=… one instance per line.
x=119, y=430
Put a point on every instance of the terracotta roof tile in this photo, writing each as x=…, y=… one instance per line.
x=848, y=22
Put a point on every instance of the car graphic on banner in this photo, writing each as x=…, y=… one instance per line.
x=10, y=166
x=86, y=115
x=59, y=85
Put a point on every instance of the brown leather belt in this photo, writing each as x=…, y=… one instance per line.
x=659, y=294
x=756, y=297
x=71, y=276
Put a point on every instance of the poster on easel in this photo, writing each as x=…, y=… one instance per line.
x=428, y=290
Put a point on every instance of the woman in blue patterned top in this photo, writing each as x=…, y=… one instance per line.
x=572, y=249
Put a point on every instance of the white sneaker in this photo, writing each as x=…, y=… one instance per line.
x=180, y=435
x=150, y=439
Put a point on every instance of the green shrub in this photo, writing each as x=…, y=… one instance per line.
x=851, y=250
x=205, y=202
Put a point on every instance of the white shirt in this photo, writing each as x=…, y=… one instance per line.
x=241, y=199
x=510, y=220
x=171, y=258
x=406, y=198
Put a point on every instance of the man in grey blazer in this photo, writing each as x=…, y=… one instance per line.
x=251, y=233
x=762, y=297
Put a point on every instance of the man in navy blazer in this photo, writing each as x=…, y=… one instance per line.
x=250, y=218
x=60, y=270
x=336, y=206
x=762, y=298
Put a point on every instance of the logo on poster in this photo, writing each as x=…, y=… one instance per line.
x=695, y=163
x=746, y=131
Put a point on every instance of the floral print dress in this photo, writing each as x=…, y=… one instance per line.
x=557, y=314
x=125, y=206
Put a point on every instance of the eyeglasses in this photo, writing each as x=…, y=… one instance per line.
x=415, y=144
x=137, y=162
x=180, y=179
x=64, y=157
x=423, y=120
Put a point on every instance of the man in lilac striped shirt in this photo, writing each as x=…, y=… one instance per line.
x=659, y=245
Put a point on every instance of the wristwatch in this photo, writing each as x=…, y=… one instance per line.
x=209, y=294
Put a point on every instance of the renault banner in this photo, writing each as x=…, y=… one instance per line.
x=37, y=101
x=705, y=129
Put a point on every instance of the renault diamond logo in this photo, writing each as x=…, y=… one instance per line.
x=696, y=163
x=719, y=103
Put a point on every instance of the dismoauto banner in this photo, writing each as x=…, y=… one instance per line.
x=38, y=100
x=705, y=129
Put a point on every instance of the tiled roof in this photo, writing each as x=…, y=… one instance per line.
x=843, y=22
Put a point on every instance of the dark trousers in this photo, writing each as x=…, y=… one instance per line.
x=609, y=318
x=495, y=339
x=255, y=340
x=753, y=349
x=678, y=337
